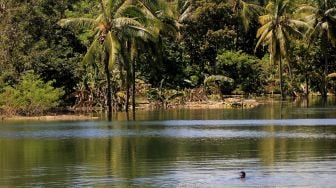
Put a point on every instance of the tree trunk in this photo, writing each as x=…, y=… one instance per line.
x=324, y=91
x=109, y=93
x=133, y=85
x=307, y=85
x=281, y=79
x=127, y=66
x=325, y=79
x=127, y=88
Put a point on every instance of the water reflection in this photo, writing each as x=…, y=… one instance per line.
x=287, y=152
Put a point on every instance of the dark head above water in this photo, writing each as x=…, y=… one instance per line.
x=242, y=174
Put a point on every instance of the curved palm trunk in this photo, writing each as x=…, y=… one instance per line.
x=109, y=92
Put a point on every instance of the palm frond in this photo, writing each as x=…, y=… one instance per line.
x=313, y=33
x=332, y=75
x=140, y=32
x=106, y=16
x=265, y=19
x=306, y=9
x=113, y=46
x=113, y=5
x=292, y=31
x=270, y=6
x=330, y=12
x=144, y=5
x=125, y=21
x=182, y=9
x=92, y=52
x=299, y=24
x=265, y=28
x=78, y=23
x=262, y=34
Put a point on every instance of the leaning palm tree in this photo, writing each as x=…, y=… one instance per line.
x=278, y=26
x=117, y=18
x=322, y=17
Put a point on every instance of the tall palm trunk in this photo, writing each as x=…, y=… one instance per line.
x=133, y=85
x=324, y=91
x=127, y=66
x=109, y=93
x=307, y=85
x=127, y=88
x=325, y=79
x=281, y=78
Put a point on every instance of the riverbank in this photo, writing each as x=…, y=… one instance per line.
x=144, y=105
x=227, y=103
x=62, y=117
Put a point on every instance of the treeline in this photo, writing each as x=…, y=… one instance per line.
x=106, y=52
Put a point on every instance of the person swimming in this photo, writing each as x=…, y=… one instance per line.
x=242, y=175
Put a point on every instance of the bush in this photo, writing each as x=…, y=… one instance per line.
x=246, y=70
x=31, y=96
x=224, y=84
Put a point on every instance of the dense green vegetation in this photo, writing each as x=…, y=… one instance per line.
x=104, y=53
x=30, y=96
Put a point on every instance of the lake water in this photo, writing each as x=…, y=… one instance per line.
x=290, y=144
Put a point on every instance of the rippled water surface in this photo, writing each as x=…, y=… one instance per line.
x=278, y=145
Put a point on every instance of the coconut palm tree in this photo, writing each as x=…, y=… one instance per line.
x=117, y=19
x=278, y=26
x=322, y=17
x=160, y=22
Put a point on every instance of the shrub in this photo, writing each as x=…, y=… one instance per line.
x=224, y=84
x=246, y=70
x=31, y=96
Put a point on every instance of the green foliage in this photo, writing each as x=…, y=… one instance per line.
x=246, y=70
x=30, y=39
x=31, y=96
x=183, y=42
x=210, y=28
x=169, y=64
x=278, y=29
x=164, y=97
x=225, y=85
x=217, y=79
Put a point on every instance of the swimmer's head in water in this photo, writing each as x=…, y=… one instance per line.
x=242, y=174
